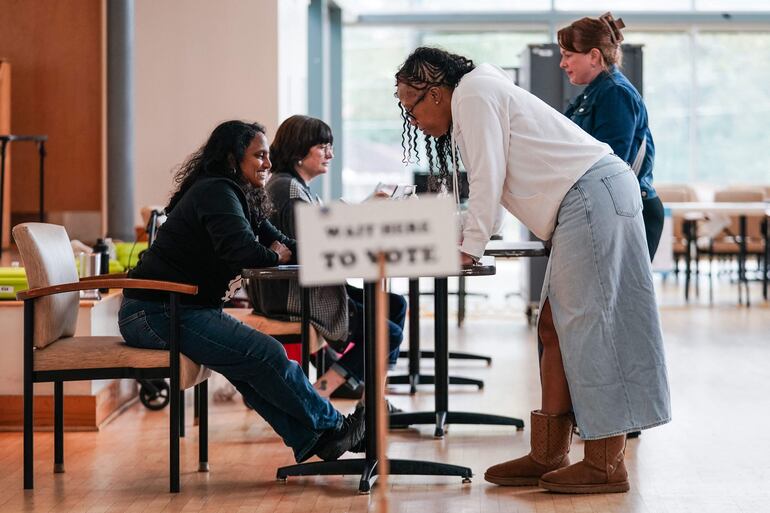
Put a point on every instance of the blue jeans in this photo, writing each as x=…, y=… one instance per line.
x=254, y=362
x=352, y=362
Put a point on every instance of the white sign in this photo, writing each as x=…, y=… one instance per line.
x=418, y=237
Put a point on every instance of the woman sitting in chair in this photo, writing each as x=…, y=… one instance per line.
x=217, y=225
x=302, y=151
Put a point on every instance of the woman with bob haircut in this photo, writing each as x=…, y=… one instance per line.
x=302, y=151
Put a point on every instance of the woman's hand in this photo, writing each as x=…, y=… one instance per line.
x=466, y=259
x=381, y=195
x=284, y=253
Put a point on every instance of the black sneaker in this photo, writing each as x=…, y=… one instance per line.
x=345, y=391
x=389, y=406
x=361, y=446
x=335, y=443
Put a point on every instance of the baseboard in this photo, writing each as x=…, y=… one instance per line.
x=81, y=412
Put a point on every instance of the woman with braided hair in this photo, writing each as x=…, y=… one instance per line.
x=602, y=366
x=610, y=108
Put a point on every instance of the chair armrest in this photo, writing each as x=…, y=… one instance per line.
x=113, y=283
x=114, y=276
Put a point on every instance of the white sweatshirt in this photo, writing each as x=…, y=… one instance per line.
x=518, y=152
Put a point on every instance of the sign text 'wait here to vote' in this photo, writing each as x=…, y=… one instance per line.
x=416, y=238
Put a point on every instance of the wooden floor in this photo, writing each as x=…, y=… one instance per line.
x=714, y=456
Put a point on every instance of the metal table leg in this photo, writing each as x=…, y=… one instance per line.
x=688, y=227
x=766, y=233
x=742, y=256
x=441, y=415
x=414, y=377
x=367, y=466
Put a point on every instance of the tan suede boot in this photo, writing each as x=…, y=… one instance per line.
x=551, y=436
x=601, y=471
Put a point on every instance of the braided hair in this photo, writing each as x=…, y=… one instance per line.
x=431, y=67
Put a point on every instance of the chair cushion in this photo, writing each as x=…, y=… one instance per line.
x=270, y=326
x=74, y=353
x=48, y=260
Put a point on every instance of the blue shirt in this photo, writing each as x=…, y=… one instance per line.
x=612, y=111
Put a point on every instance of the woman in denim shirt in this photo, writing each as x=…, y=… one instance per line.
x=610, y=108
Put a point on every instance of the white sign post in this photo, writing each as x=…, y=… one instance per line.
x=373, y=240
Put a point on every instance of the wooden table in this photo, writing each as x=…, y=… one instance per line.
x=692, y=212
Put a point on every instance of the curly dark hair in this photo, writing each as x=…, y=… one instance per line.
x=430, y=67
x=220, y=156
x=293, y=140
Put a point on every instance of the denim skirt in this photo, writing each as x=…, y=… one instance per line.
x=599, y=284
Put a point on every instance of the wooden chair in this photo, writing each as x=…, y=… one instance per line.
x=726, y=245
x=53, y=354
x=727, y=242
x=763, y=188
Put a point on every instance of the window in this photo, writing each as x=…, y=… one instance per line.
x=731, y=5
x=441, y=6
x=733, y=106
x=371, y=118
x=370, y=115
x=668, y=97
x=706, y=90
x=620, y=6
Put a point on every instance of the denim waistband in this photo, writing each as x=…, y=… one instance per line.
x=605, y=161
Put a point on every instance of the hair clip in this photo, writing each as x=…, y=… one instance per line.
x=614, y=25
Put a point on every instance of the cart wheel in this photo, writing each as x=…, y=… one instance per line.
x=155, y=399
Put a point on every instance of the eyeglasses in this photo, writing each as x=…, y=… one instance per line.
x=409, y=113
x=326, y=148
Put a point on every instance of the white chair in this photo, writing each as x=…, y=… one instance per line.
x=53, y=354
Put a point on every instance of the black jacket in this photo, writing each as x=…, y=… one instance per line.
x=207, y=239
